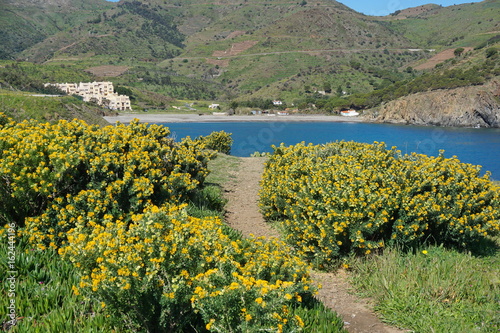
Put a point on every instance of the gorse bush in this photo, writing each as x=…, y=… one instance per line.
x=218, y=141
x=56, y=176
x=346, y=197
x=113, y=202
x=177, y=273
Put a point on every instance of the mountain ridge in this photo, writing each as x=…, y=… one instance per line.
x=242, y=51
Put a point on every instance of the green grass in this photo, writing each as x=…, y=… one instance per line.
x=209, y=201
x=219, y=168
x=23, y=106
x=434, y=290
x=44, y=300
x=454, y=26
x=319, y=319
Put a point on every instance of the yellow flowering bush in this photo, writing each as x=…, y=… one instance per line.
x=176, y=272
x=253, y=289
x=218, y=141
x=56, y=176
x=347, y=197
x=112, y=201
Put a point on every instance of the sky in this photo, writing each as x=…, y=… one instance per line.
x=386, y=7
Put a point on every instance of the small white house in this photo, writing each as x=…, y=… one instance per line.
x=277, y=102
x=213, y=106
x=349, y=113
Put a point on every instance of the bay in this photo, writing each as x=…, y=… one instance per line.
x=470, y=145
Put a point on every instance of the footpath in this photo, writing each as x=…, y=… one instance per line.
x=336, y=292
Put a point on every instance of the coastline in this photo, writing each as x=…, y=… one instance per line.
x=195, y=118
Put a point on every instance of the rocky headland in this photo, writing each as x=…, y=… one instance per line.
x=473, y=106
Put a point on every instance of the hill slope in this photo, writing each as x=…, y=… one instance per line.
x=454, y=26
x=305, y=53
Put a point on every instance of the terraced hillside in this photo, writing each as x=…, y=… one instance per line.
x=241, y=49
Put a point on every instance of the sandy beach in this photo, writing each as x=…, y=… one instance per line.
x=195, y=118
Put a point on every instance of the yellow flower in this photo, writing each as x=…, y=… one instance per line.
x=209, y=325
x=424, y=252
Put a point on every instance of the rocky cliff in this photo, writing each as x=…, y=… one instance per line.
x=476, y=106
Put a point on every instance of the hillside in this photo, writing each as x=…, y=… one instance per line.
x=445, y=27
x=45, y=108
x=318, y=54
x=296, y=46
x=460, y=107
x=29, y=23
x=234, y=48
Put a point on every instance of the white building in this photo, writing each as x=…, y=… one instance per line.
x=101, y=93
x=118, y=102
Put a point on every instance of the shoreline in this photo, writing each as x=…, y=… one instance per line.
x=195, y=118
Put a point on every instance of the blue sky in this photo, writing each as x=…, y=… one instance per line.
x=385, y=7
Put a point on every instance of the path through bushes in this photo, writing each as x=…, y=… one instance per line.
x=243, y=214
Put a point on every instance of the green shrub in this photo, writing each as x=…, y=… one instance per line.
x=346, y=197
x=491, y=52
x=167, y=271
x=218, y=141
x=4, y=119
x=56, y=176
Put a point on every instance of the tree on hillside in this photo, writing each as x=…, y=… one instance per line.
x=458, y=51
x=491, y=52
x=327, y=87
x=340, y=91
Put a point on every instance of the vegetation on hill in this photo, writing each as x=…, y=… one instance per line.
x=471, y=69
x=111, y=208
x=314, y=56
x=408, y=226
x=454, y=26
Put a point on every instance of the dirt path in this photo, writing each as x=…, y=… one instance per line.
x=243, y=214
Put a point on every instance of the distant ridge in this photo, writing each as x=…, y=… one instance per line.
x=415, y=11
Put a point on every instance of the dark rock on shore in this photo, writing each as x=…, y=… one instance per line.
x=474, y=106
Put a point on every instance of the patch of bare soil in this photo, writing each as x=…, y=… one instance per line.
x=336, y=292
x=218, y=62
x=439, y=58
x=235, y=34
x=235, y=49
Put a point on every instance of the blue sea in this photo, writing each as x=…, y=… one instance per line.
x=470, y=145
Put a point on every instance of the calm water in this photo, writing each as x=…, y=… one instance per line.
x=475, y=146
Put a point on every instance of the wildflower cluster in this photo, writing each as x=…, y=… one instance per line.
x=346, y=197
x=168, y=265
x=58, y=176
x=218, y=141
x=112, y=201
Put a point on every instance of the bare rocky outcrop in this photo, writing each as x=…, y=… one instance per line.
x=475, y=106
